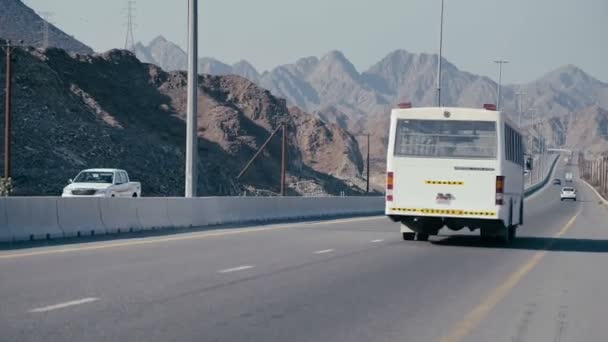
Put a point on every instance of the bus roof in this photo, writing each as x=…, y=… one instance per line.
x=463, y=113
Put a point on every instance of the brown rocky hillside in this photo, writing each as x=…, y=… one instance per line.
x=586, y=131
x=110, y=110
x=19, y=22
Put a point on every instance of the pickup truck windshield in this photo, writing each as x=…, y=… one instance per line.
x=95, y=177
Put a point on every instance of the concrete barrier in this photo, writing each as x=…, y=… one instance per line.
x=529, y=191
x=207, y=211
x=181, y=212
x=5, y=232
x=25, y=218
x=152, y=213
x=32, y=218
x=79, y=216
x=119, y=215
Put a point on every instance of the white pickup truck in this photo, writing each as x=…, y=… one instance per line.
x=102, y=183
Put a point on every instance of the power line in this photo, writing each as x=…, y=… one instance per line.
x=130, y=38
x=520, y=95
x=46, y=23
x=440, y=56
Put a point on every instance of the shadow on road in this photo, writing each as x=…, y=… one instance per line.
x=529, y=243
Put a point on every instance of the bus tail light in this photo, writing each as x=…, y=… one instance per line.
x=489, y=106
x=390, y=184
x=500, y=190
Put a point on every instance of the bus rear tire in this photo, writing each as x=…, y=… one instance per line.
x=512, y=233
x=409, y=236
x=485, y=235
x=521, y=213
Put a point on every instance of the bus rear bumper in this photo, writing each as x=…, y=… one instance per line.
x=434, y=223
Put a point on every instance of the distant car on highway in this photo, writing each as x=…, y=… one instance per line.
x=568, y=177
x=568, y=193
x=557, y=181
x=102, y=183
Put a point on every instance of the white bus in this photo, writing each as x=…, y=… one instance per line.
x=455, y=168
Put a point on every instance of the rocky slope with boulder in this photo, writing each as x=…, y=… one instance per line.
x=72, y=112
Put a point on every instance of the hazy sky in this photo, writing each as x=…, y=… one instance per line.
x=536, y=36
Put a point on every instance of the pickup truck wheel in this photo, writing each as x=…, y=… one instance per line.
x=409, y=236
x=422, y=237
x=113, y=195
x=134, y=195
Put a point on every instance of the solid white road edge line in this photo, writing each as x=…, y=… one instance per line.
x=64, y=305
x=595, y=190
x=236, y=269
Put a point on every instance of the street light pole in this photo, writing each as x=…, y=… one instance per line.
x=367, y=162
x=7, y=116
x=520, y=95
x=283, y=157
x=440, y=56
x=191, y=119
x=367, y=178
x=500, y=63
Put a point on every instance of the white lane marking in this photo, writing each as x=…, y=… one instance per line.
x=324, y=251
x=64, y=305
x=375, y=241
x=236, y=269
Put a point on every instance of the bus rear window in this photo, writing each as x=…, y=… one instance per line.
x=446, y=139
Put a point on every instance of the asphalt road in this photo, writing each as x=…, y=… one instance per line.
x=345, y=280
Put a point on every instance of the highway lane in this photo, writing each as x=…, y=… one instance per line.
x=349, y=280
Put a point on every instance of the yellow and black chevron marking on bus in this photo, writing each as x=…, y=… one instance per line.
x=455, y=212
x=432, y=182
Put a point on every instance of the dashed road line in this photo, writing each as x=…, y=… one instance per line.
x=473, y=318
x=376, y=241
x=324, y=251
x=192, y=236
x=64, y=305
x=236, y=269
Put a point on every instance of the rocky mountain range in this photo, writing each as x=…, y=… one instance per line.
x=562, y=104
x=20, y=23
x=333, y=89
x=586, y=131
x=316, y=84
x=72, y=112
